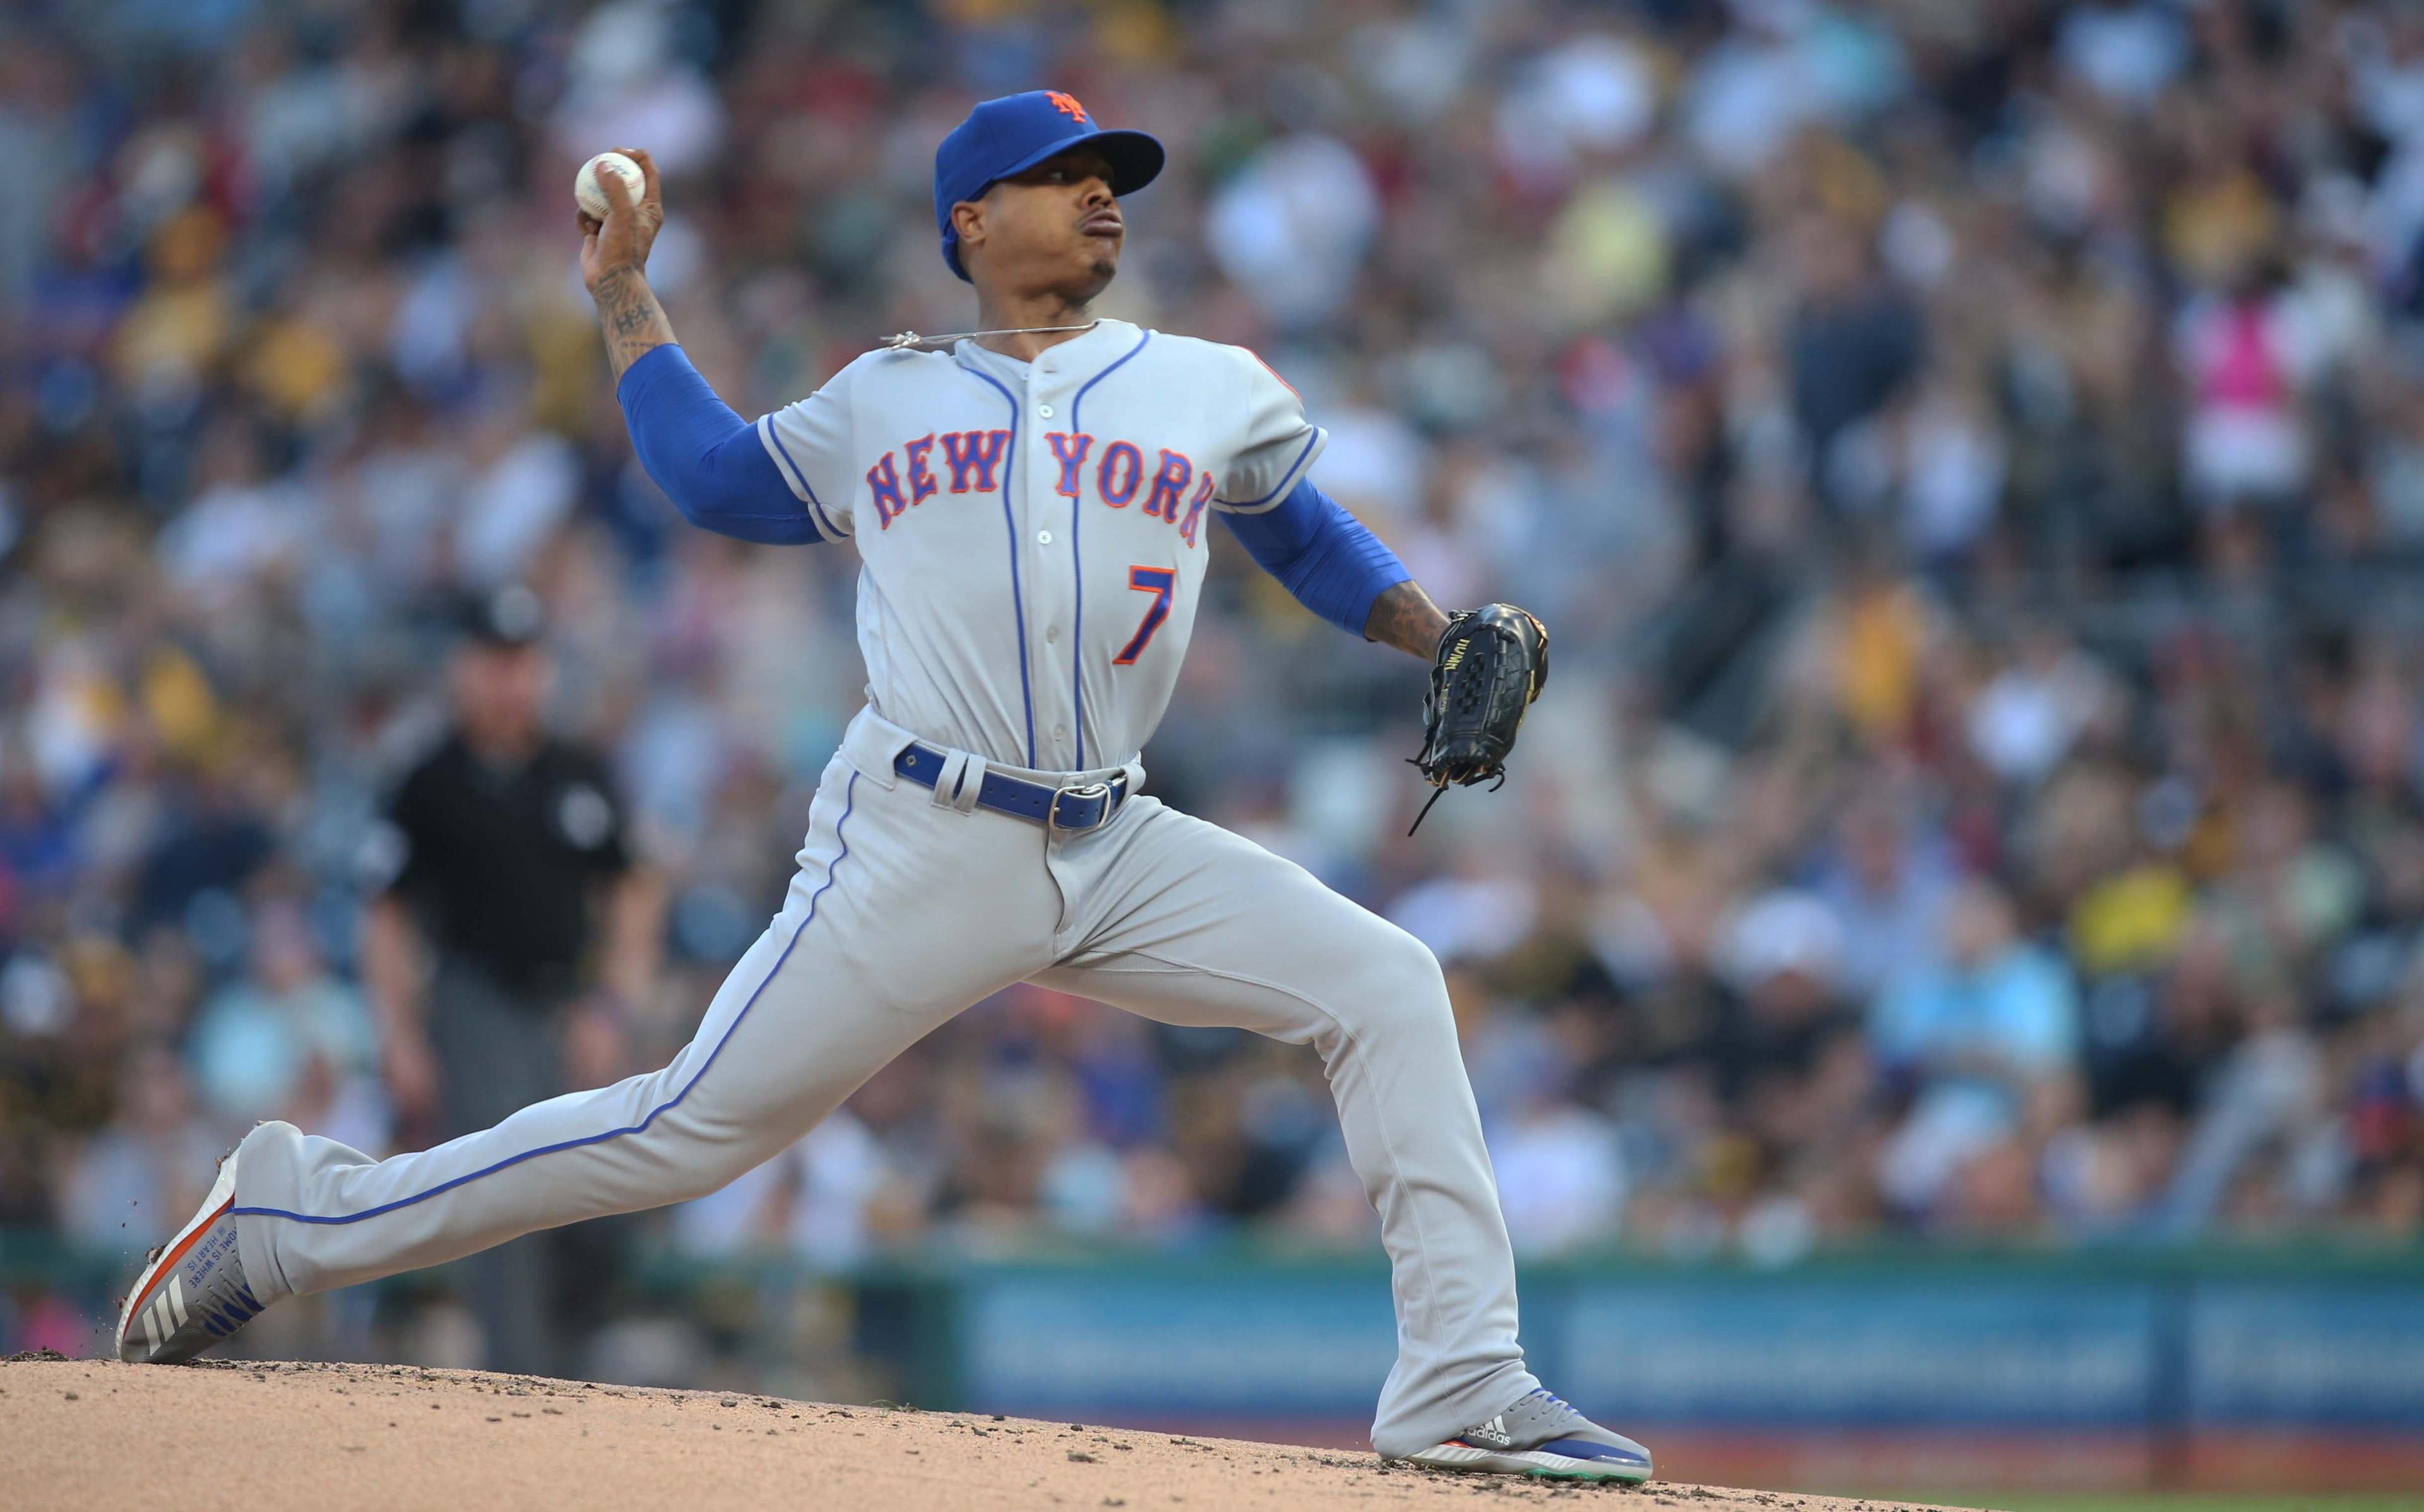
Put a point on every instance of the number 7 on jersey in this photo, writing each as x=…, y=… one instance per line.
x=1157, y=581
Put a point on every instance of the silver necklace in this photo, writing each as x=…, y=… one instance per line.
x=907, y=340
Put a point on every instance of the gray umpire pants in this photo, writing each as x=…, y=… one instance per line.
x=499, y=1051
x=906, y=908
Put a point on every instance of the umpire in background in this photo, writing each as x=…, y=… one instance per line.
x=511, y=933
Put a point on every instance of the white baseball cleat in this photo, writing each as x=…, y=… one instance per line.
x=192, y=1292
x=1541, y=1436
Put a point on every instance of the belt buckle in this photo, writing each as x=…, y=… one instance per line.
x=1092, y=790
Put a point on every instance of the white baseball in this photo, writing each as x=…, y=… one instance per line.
x=592, y=194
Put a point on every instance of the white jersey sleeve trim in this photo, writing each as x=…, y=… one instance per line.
x=1274, y=443
x=793, y=475
x=1314, y=444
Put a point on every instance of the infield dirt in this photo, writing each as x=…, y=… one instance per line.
x=268, y=1437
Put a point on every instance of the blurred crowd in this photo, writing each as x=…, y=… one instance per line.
x=1969, y=454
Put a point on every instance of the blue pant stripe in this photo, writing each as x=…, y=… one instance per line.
x=851, y=799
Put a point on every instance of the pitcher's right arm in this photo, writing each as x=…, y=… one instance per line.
x=709, y=460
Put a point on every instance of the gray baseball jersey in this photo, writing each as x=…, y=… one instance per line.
x=1031, y=533
x=1033, y=540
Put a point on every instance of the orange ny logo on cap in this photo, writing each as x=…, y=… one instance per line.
x=1067, y=105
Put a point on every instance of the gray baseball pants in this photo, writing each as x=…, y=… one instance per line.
x=908, y=906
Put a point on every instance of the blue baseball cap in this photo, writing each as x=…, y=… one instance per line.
x=1009, y=135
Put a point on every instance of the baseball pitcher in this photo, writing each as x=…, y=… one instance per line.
x=1030, y=502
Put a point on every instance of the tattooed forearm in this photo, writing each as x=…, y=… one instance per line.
x=627, y=311
x=1405, y=617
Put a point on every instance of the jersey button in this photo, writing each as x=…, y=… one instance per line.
x=1052, y=633
x=1044, y=411
x=1060, y=732
x=1043, y=537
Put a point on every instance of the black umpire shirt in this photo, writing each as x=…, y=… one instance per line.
x=498, y=863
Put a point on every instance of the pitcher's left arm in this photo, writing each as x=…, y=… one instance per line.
x=1339, y=569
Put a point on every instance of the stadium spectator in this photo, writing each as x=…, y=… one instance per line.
x=1980, y=1037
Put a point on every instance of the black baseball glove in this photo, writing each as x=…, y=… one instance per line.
x=1492, y=662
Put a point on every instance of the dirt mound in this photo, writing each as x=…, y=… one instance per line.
x=268, y=1437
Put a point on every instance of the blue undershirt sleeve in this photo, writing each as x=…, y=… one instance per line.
x=709, y=460
x=1321, y=554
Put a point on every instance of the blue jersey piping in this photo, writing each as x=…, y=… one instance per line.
x=1285, y=478
x=1010, y=523
x=810, y=494
x=851, y=799
x=1078, y=568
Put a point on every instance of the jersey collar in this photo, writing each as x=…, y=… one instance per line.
x=1077, y=355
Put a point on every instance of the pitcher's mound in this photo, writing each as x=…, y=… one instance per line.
x=269, y=1437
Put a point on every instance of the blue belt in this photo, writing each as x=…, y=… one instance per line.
x=1087, y=807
